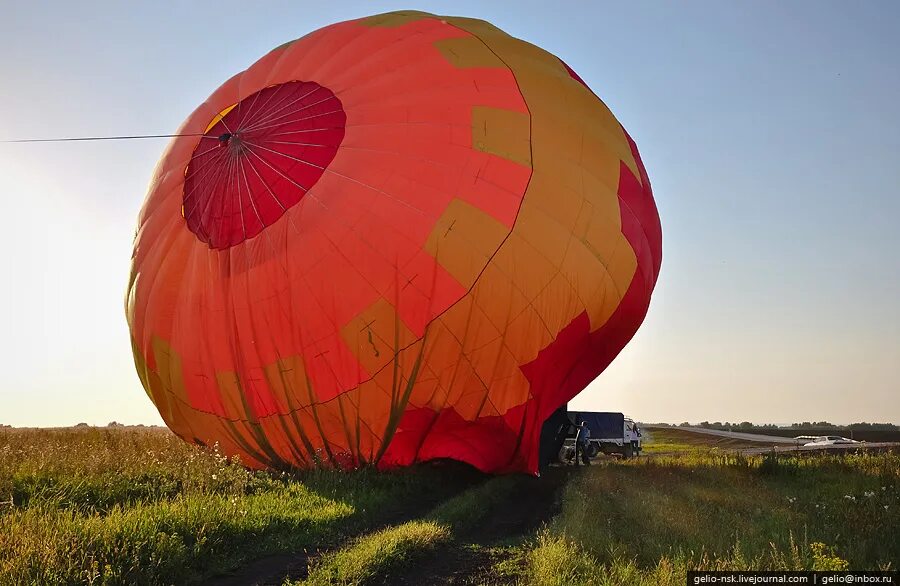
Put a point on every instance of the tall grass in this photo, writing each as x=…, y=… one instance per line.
x=648, y=521
x=113, y=506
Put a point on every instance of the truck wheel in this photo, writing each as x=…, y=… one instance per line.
x=628, y=451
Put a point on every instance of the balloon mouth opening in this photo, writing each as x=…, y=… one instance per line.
x=258, y=158
x=233, y=142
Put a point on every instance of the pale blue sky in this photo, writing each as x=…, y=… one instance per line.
x=770, y=130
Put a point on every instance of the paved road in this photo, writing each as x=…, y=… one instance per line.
x=751, y=437
x=782, y=444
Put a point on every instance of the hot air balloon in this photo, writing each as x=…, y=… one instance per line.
x=399, y=238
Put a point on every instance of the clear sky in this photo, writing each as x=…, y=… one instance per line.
x=770, y=130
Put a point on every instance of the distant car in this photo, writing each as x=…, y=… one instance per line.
x=830, y=440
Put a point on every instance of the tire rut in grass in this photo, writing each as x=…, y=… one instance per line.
x=469, y=557
x=275, y=569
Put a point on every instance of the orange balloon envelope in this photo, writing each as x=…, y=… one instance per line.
x=396, y=239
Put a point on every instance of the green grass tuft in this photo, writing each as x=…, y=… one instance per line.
x=376, y=554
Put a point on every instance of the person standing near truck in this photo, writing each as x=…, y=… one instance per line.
x=582, y=441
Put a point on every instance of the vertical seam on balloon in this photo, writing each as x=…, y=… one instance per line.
x=146, y=334
x=340, y=403
x=531, y=157
x=313, y=410
x=241, y=369
x=239, y=365
x=256, y=430
x=494, y=369
x=291, y=444
x=462, y=348
x=515, y=453
x=521, y=202
x=301, y=359
x=395, y=416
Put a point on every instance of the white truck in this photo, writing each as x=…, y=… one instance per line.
x=611, y=433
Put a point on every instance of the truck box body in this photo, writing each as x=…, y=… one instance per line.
x=611, y=433
x=604, y=426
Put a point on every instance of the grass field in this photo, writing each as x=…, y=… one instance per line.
x=111, y=506
x=131, y=506
x=648, y=521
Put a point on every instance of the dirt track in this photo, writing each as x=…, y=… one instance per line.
x=273, y=570
x=464, y=560
x=467, y=559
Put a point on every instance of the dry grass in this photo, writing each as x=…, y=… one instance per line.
x=114, y=506
x=648, y=521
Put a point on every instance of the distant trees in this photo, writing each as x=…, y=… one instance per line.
x=873, y=426
x=812, y=424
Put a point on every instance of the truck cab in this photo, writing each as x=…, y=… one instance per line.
x=632, y=434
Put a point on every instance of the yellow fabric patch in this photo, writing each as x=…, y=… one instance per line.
x=288, y=382
x=168, y=367
x=464, y=52
x=463, y=239
x=570, y=220
x=503, y=133
x=376, y=335
x=231, y=392
x=219, y=117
